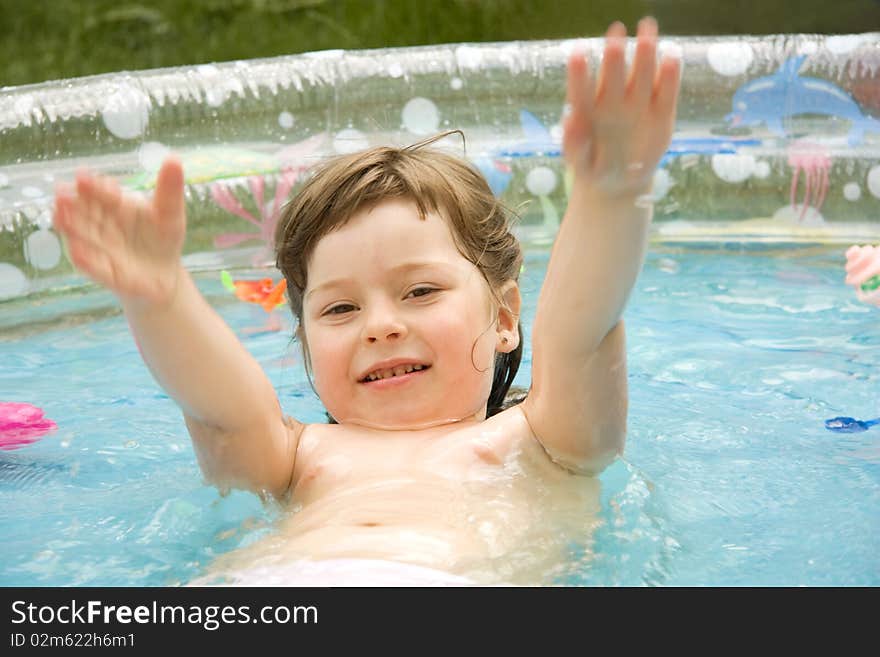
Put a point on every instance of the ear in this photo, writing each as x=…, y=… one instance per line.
x=506, y=327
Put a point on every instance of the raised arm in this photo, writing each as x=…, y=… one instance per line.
x=133, y=248
x=615, y=133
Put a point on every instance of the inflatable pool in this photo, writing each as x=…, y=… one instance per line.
x=742, y=337
x=777, y=139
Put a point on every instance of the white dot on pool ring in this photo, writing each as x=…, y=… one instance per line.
x=811, y=217
x=420, y=116
x=349, y=140
x=42, y=249
x=844, y=43
x=24, y=104
x=667, y=48
x=456, y=83
x=567, y=46
x=874, y=181
x=12, y=281
x=852, y=191
x=216, y=96
x=733, y=168
x=730, y=58
x=762, y=169
x=4, y=180
x=126, y=112
x=662, y=183
x=395, y=70
x=807, y=48
x=285, y=120
x=468, y=57
x=151, y=154
x=541, y=181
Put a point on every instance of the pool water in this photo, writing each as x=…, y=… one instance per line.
x=737, y=355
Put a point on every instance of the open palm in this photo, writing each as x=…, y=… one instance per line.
x=618, y=127
x=127, y=244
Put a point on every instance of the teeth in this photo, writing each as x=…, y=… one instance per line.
x=397, y=371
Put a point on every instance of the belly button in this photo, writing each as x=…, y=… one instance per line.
x=368, y=524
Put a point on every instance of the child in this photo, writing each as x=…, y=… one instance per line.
x=402, y=273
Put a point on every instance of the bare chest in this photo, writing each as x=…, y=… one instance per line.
x=331, y=459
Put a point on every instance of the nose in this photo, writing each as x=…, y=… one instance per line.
x=383, y=322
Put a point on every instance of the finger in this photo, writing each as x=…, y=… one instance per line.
x=168, y=199
x=85, y=218
x=88, y=212
x=109, y=195
x=64, y=189
x=668, y=82
x=580, y=88
x=121, y=211
x=611, y=82
x=641, y=81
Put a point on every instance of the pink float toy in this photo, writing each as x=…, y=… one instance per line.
x=22, y=424
x=863, y=272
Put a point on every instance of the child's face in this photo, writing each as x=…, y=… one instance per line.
x=389, y=286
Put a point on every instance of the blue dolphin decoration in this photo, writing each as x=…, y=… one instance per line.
x=538, y=140
x=496, y=173
x=773, y=98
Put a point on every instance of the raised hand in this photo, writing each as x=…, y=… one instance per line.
x=125, y=243
x=618, y=127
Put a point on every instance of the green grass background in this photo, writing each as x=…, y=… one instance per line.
x=54, y=39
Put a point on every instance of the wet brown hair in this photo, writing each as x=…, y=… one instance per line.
x=436, y=182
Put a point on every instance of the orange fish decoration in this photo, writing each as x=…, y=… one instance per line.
x=264, y=292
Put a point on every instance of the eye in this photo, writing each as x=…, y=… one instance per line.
x=422, y=291
x=341, y=309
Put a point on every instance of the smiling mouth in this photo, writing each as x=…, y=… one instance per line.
x=377, y=376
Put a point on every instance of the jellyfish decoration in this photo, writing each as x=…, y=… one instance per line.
x=815, y=163
x=22, y=424
x=268, y=214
